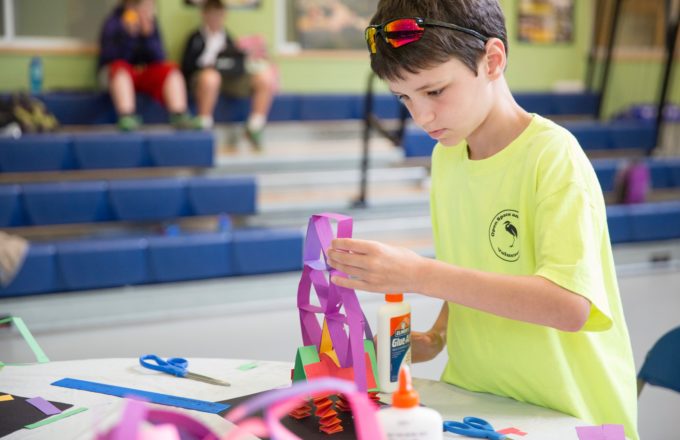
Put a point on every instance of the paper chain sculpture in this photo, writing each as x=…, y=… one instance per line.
x=329, y=350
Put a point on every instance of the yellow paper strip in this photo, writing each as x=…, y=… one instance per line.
x=6, y=397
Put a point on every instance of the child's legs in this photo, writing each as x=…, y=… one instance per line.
x=164, y=83
x=121, y=86
x=263, y=84
x=206, y=84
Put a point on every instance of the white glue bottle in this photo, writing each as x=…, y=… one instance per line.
x=405, y=419
x=394, y=340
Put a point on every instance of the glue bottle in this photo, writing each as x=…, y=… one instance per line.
x=406, y=419
x=394, y=340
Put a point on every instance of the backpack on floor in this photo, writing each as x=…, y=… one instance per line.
x=29, y=113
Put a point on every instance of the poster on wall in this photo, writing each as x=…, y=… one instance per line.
x=330, y=24
x=231, y=4
x=546, y=21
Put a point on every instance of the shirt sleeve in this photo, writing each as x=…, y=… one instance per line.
x=569, y=231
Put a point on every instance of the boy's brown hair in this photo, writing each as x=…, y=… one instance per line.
x=437, y=45
x=213, y=4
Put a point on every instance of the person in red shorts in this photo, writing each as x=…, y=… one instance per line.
x=132, y=59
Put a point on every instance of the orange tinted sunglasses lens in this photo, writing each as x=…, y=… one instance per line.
x=402, y=31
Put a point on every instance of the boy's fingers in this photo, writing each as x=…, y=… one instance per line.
x=352, y=245
x=348, y=283
x=339, y=257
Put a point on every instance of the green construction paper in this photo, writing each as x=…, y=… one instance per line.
x=248, y=366
x=39, y=354
x=305, y=356
x=370, y=349
x=52, y=419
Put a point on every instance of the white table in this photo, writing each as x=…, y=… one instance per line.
x=34, y=380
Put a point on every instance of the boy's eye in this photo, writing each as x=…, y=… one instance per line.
x=435, y=92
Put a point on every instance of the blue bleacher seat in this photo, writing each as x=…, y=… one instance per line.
x=230, y=195
x=231, y=109
x=181, y=149
x=385, y=107
x=619, y=223
x=65, y=202
x=640, y=135
x=82, y=108
x=606, y=170
x=148, y=199
x=188, y=257
x=535, y=102
x=329, y=107
x=285, y=108
x=573, y=103
x=591, y=135
x=417, y=143
x=266, y=250
x=47, y=152
x=11, y=210
x=655, y=221
x=110, y=150
x=93, y=264
x=37, y=274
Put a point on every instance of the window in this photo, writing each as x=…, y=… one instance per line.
x=63, y=22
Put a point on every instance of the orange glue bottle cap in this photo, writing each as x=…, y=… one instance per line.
x=405, y=396
x=394, y=297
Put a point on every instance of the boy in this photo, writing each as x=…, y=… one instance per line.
x=532, y=309
x=131, y=59
x=201, y=65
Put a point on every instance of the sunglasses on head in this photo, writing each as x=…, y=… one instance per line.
x=402, y=31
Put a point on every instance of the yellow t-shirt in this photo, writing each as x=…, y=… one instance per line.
x=535, y=208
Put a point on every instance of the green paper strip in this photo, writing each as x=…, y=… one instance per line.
x=53, y=419
x=39, y=354
x=246, y=367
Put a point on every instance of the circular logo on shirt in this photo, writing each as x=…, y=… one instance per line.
x=504, y=235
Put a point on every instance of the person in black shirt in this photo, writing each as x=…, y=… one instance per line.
x=213, y=62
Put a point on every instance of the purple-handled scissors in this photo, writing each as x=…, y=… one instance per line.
x=474, y=427
x=176, y=367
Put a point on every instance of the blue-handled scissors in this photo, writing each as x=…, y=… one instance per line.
x=176, y=367
x=474, y=427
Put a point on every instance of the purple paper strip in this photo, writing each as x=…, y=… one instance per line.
x=614, y=432
x=349, y=348
x=43, y=405
x=601, y=432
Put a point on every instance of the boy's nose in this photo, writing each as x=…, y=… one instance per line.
x=422, y=115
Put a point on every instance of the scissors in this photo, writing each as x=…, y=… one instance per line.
x=176, y=367
x=474, y=427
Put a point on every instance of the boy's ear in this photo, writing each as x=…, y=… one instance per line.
x=495, y=58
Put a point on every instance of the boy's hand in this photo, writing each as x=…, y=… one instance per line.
x=375, y=267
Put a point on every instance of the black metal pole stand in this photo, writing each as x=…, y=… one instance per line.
x=592, y=54
x=371, y=121
x=671, y=41
x=608, y=60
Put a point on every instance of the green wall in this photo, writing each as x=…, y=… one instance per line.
x=532, y=67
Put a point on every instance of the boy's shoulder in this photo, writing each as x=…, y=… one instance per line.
x=550, y=140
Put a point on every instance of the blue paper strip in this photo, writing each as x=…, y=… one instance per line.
x=161, y=399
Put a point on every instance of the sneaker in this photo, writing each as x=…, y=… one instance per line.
x=184, y=121
x=255, y=138
x=129, y=122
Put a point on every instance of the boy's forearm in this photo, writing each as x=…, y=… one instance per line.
x=530, y=299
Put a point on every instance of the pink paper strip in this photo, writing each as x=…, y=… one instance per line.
x=43, y=405
x=511, y=430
